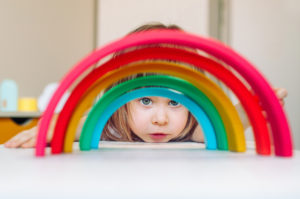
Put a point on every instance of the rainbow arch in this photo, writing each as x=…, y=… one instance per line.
x=264, y=98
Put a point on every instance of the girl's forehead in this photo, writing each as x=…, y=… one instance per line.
x=156, y=98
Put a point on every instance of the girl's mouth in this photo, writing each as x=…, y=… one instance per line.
x=158, y=136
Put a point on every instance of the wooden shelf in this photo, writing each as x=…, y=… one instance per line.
x=20, y=114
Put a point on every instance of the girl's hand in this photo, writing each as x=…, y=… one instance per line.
x=281, y=93
x=25, y=139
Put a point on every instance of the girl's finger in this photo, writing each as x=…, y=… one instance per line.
x=20, y=138
x=30, y=143
x=281, y=93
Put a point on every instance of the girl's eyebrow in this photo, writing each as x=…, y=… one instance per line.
x=142, y=97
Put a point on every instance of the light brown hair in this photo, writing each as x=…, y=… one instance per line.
x=117, y=128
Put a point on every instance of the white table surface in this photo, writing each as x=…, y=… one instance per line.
x=148, y=171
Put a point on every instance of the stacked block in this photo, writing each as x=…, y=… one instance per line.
x=147, y=52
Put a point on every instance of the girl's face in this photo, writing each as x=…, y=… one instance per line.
x=156, y=119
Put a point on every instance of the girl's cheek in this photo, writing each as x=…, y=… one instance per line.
x=180, y=115
x=182, y=111
x=137, y=115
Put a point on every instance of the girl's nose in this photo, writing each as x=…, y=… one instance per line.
x=160, y=117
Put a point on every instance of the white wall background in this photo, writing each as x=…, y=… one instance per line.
x=41, y=40
x=267, y=32
x=116, y=18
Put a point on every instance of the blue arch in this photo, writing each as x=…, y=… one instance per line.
x=199, y=114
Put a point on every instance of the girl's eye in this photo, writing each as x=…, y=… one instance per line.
x=174, y=103
x=146, y=101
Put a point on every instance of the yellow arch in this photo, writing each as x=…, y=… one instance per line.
x=228, y=113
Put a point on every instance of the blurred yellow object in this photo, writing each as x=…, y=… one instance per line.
x=27, y=104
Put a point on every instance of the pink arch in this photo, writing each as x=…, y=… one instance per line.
x=276, y=117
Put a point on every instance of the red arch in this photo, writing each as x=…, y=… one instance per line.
x=247, y=99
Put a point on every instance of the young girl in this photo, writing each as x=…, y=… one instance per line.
x=152, y=119
x=148, y=119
